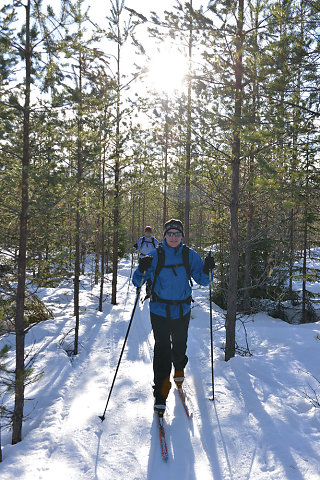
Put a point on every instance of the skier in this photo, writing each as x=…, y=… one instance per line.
x=144, y=246
x=146, y=243
x=170, y=268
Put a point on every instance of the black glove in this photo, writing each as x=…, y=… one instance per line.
x=145, y=263
x=208, y=264
x=135, y=246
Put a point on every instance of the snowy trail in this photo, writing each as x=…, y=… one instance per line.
x=260, y=427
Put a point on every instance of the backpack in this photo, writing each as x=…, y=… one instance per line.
x=145, y=241
x=161, y=265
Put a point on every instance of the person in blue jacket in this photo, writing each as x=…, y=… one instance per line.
x=170, y=305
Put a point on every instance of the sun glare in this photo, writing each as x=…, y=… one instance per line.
x=167, y=71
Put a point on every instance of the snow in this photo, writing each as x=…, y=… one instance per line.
x=261, y=425
x=312, y=267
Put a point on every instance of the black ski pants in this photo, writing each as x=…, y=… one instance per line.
x=170, y=347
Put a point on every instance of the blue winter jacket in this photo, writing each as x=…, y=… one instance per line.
x=169, y=286
x=146, y=246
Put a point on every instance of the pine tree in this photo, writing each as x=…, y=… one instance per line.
x=24, y=45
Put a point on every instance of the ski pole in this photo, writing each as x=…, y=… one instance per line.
x=132, y=257
x=102, y=417
x=211, y=333
x=132, y=260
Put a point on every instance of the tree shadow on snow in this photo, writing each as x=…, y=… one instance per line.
x=139, y=346
x=270, y=439
x=207, y=429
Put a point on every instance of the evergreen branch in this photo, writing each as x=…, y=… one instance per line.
x=205, y=140
x=9, y=152
x=225, y=194
x=137, y=14
x=291, y=104
x=15, y=45
x=9, y=209
x=46, y=36
x=260, y=25
x=17, y=106
x=135, y=76
x=55, y=203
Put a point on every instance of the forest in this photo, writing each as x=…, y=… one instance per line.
x=91, y=152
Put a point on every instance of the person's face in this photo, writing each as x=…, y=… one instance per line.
x=173, y=240
x=147, y=233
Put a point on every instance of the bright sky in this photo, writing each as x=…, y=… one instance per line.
x=167, y=70
x=168, y=66
x=158, y=6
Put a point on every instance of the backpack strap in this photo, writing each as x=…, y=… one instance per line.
x=160, y=265
x=145, y=241
x=188, y=300
x=186, y=263
x=173, y=267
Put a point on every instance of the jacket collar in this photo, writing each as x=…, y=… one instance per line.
x=171, y=249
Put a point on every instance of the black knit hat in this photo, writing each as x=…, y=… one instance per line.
x=173, y=224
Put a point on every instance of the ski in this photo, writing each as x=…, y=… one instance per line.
x=163, y=443
x=182, y=396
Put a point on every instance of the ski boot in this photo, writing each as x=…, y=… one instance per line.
x=159, y=405
x=178, y=377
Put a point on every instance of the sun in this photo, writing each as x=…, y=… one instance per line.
x=167, y=71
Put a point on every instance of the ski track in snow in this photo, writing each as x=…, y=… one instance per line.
x=259, y=427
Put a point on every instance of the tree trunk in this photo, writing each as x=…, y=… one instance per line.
x=234, y=203
x=102, y=254
x=188, y=142
x=116, y=206
x=97, y=252
x=22, y=257
x=78, y=216
x=247, y=265
x=291, y=252
x=133, y=216
x=76, y=305
x=305, y=246
x=144, y=211
x=165, y=179
x=250, y=215
x=233, y=260
x=304, y=268
x=115, y=243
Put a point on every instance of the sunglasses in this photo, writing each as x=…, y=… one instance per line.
x=174, y=234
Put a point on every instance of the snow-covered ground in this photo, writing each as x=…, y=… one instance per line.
x=313, y=266
x=261, y=426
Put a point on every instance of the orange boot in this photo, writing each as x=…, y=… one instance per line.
x=161, y=397
x=178, y=377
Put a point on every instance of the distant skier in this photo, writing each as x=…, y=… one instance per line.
x=170, y=268
x=146, y=243
x=144, y=246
